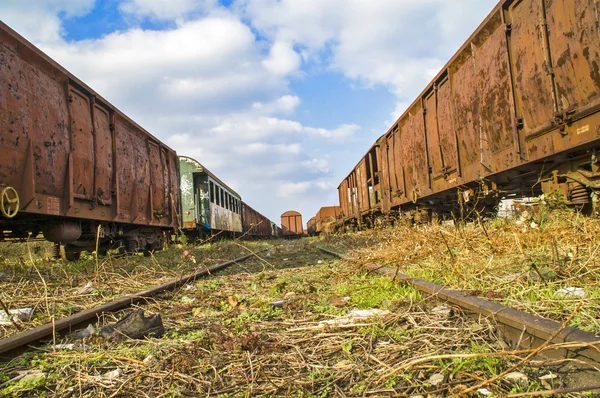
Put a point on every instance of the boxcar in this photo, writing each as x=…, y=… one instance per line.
x=71, y=162
x=291, y=223
x=208, y=205
x=254, y=223
x=515, y=111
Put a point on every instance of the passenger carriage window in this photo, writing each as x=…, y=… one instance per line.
x=212, y=192
x=222, y=197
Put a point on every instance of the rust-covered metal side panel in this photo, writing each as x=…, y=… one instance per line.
x=68, y=152
x=531, y=66
x=361, y=185
x=82, y=144
x=103, y=151
x=447, y=134
x=494, y=91
x=463, y=76
x=397, y=175
x=32, y=100
x=574, y=35
x=433, y=135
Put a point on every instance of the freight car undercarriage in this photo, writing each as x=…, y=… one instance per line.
x=572, y=179
x=84, y=235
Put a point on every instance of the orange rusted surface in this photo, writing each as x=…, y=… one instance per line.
x=518, y=103
x=291, y=223
x=69, y=153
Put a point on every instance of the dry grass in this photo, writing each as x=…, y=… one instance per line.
x=521, y=263
x=225, y=338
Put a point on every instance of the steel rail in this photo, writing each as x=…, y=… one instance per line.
x=40, y=332
x=520, y=329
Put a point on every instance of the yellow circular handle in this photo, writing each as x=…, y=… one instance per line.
x=10, y=202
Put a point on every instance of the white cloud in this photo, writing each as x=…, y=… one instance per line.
x=38, y=20
x=400, y=45
x=164, y=9
x=282, y=59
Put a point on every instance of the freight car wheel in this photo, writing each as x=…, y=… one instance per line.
x=72, y=253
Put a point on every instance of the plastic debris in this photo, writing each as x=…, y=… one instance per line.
x=113, y=374
x=484, y=391
x=570, y=292
x=354, y=317
x=21, y=314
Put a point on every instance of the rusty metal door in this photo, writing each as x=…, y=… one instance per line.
x=532, y=70
x=361, y=183
x=447, y=135
x=82, y=144
x=398, y=176
x=574, y=35
x=158, y=180
x=494, y=87
x=103, y=169
x=433, y=136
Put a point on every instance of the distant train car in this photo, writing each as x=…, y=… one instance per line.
x=291, y=223
x=326, y=218
x=516, y=111
x=254, y=223
x=277, y=232
x=209, y=206
x=311, y=226
x=72, y=165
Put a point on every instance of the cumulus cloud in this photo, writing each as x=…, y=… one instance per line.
x=38, y=20
x=400, y=45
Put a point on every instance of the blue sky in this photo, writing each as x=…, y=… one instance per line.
x=279, y=98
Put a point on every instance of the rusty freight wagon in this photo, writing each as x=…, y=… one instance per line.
x=515, y=112
x=255, y=224
x=208, y=205
x=291, y=223
x=70, y=162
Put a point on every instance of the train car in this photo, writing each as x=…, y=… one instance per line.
x=516, y=111
x=311, y=227
x=291, y=223
x=277, y=232
x=255, y=224
x=209, y=206
x=72, y=165
x=326, y=218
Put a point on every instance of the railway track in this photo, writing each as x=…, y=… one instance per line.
x=16, y=343
x=519, y=329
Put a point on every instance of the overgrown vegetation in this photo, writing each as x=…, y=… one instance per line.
x=287, y=322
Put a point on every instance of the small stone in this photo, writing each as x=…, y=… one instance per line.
x=320, y=262
x=442, y=310
x=289, y=295
x=87, y=332
x=548, y=380
x=68, y=347
x=87, y=288
x=277, y=304
x=189, y=287
x=417, y=396
x=517, y=378
x=436, y=379
x=21, y=314
x=484, y=391
x=285, y=259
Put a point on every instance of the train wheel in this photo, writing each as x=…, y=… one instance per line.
x=72, y=253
